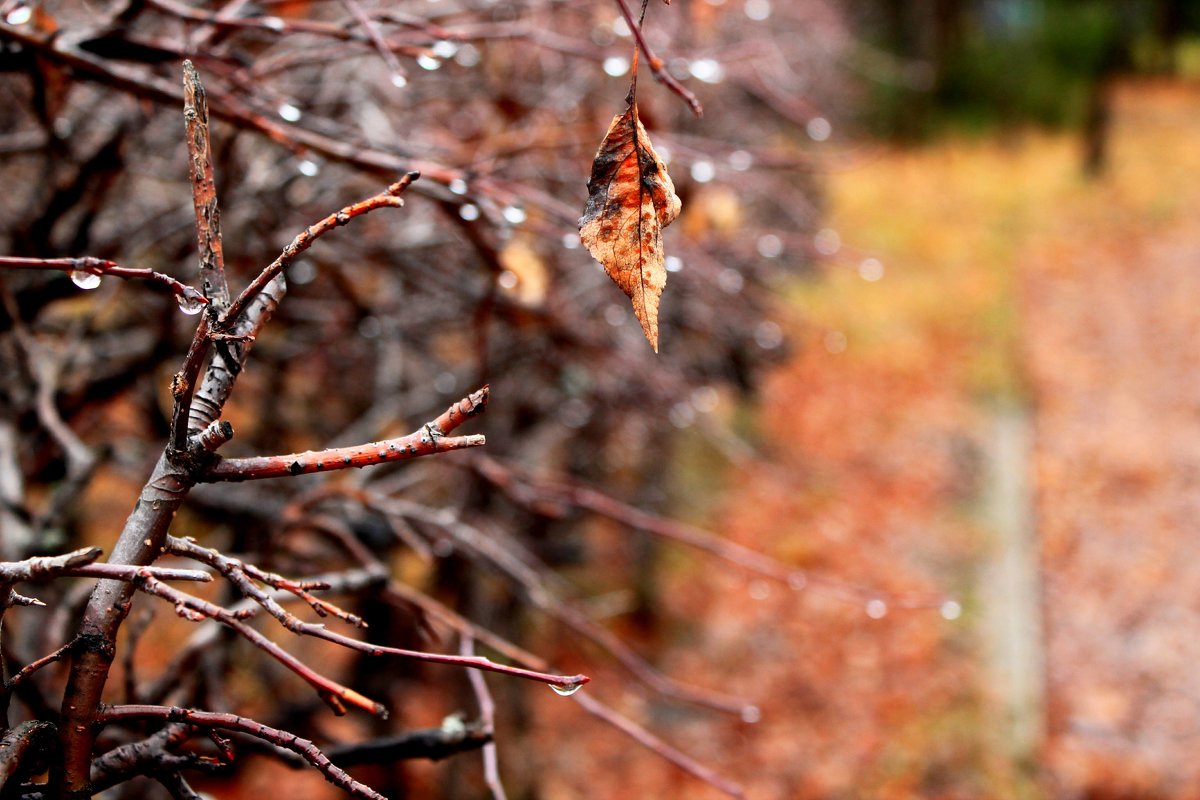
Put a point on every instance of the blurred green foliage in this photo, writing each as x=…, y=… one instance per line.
x=979, y=64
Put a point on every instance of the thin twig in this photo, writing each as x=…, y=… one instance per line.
x=80, y=563
x=232, y=722
x=372, y=30
x=389, y=197
x=195, y=609
x=656, y=64
x=656, y=745
x=298, y=626
x=102, y=266
x=431, y=438
x=433, y=744
x=33, y=666
x=487, y=713
x=550, y=496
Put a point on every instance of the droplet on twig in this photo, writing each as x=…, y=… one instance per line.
x=565, y=691
x=19, y=15
x=190, y=301
x=84, y=279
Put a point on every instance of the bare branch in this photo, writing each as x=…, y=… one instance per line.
x=656, y=64
x=232, y=722
x=371, y=28
x=656, y=745
x=102, y=266
x=433, y=744
x=487, y=714
x=204, y=192
x=550, y=496
x=193, y=608
x=432, y=438
x=80, y=563
x=390, y=197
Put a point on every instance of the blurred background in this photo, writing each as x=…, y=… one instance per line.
x=928, y=345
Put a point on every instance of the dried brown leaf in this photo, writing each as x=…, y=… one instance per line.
x=630, y=200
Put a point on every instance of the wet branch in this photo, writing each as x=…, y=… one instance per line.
x=101, y=267
x=431, y=438
x=232, y=722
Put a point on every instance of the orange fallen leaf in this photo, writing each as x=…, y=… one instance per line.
x=630, y=200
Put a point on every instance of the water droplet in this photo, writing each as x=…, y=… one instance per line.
x=757, y=10
x=309, y=168
x=871, y=269
x=399, y=81
x=798, y=581
x=565, y=691
x=467, y=55
x=836, y=342
x=190, y=302
x=616, y=66
x=740, y=160
x=674, y=263
x=469, y=212
x=515, y=215
x=301, y=272
x=273, y=23
x=458, y=186
x=290, y=113
x=705, y=399
x=818, y=129
x=454, y=725
x=570, y=241
x=445, y=49
x=951, y=609
x=664, y=154
x=614, y=315
x=507, y=280
x=827, y=241
x=445, y=382
x=621, y=28
x=426, y=61
x=703, y=171
x=370, y=327
x=759, y=590
x=19, y=15
x=769, y=245
x=682, y=415
x=84, y=279
x=730, y=280
x=876, y=609
x=708, y=70
x=751, y=714
x=768, y=335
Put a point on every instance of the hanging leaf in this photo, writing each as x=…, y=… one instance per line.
x=630, y=200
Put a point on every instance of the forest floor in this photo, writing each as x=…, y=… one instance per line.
x=977, y=280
